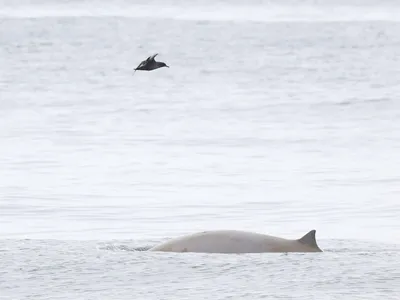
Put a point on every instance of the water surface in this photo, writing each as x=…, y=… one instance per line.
x=275, y=117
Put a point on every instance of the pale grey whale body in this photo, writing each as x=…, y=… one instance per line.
x=234, y=241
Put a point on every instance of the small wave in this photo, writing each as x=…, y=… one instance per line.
x=356, y=101
x=145, y=248
x=359, y=247
x=116, y=248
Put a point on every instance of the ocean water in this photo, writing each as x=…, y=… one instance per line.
x=275, y=116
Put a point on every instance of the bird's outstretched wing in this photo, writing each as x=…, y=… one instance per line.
x=142, y=64
x=152, y=57
x=149, y=61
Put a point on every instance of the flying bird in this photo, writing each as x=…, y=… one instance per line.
x=150, y=64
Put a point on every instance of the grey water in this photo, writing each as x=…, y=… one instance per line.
x=275, y=116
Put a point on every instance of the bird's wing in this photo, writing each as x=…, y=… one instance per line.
x=143, y=63
x=152, y=57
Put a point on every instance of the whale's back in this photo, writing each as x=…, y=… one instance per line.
x=232, y=241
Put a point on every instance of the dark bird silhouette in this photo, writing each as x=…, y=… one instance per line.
x=150, y=64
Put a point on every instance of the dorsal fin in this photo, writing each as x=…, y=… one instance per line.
x=309, y=239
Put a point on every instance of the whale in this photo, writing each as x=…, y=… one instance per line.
x=235, y=241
